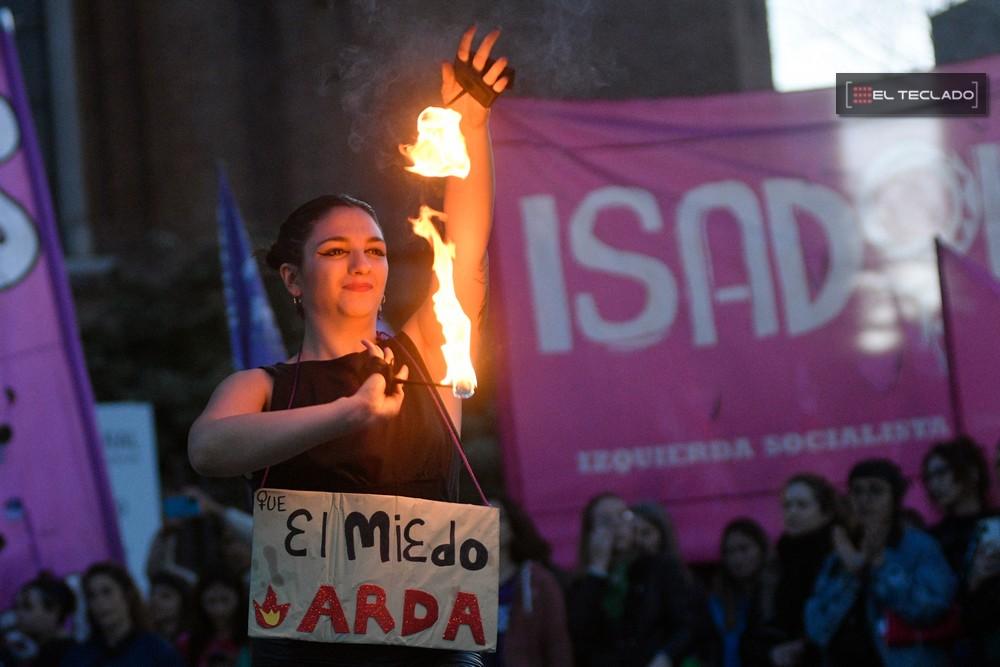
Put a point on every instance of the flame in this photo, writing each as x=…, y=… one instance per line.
x=440, y=148
x=455, y=324
x=270, y=614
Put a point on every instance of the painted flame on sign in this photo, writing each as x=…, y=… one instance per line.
x=455, y=324
x=270, y=614
x=440, y=148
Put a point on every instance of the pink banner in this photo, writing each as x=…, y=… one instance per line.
x=701, y=297
x=56, y=510
x=971, y=313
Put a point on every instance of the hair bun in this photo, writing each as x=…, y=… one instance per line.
x=273, y=257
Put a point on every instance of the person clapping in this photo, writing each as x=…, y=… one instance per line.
x=883, y=580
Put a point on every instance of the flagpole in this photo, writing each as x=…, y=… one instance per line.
x=958, y=419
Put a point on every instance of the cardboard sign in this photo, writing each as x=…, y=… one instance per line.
x=366, y=569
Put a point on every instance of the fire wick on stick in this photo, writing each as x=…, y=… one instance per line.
x=423, y=384
x=376, y=365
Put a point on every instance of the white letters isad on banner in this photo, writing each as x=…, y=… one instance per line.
x=367, y=569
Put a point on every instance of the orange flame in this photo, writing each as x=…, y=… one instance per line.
x=455, y=324
x=270, y=614
x=440, y=148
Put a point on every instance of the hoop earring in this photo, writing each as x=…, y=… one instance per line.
x=296, y=300
x=381, y=306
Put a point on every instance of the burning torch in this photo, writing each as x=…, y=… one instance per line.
x=440, y=151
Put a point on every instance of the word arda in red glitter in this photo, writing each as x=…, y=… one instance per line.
x=371, y=605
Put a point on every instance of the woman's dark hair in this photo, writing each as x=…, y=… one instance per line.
x=56, y=595
x=587, y=527
x=890, y=473
x=170, y=580
x=203, y=629
x=179, y=585
x=823, y=491
x=527, y=543
x=727, y=588
x=133, y=599
x=299, y=225
x=749, y=528
x=653, y=513
x=965, y=458
x=885, y=470
x=670, y=548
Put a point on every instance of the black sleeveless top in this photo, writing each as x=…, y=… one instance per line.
x=411, y=455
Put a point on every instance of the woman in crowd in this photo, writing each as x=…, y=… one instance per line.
x=981, y=594
x=325, y=422
x=169, y=605
x=219, y=628
x=626, y=608
x=41, y=609
x=810, y=508
x=883, y=584
x=737, y=593
x=654, y=535
x=653, y=532
x=531, y=620
x=956, y=477
x=979, y=565
x=118, y=633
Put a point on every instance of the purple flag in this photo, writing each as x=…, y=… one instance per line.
x=970, y=303
x=57, y=511
x=253, y=335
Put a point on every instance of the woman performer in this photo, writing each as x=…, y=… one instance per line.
x=324, y=422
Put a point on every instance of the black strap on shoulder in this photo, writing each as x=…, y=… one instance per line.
x=414, y=362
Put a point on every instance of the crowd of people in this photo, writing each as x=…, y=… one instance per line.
x=855, y=579
x=195, y=612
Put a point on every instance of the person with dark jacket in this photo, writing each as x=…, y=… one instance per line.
x=982, y=600
x=956, y=478
x=981, y=589
x=626, y=609
x=219, y=630
x=169, y=606
x=41, y=608
x=736, y=600
x=809, y=508
x=119, y=634
x=957, y=481
x=531, y=618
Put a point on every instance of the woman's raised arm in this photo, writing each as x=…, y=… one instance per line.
x=468, y=202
